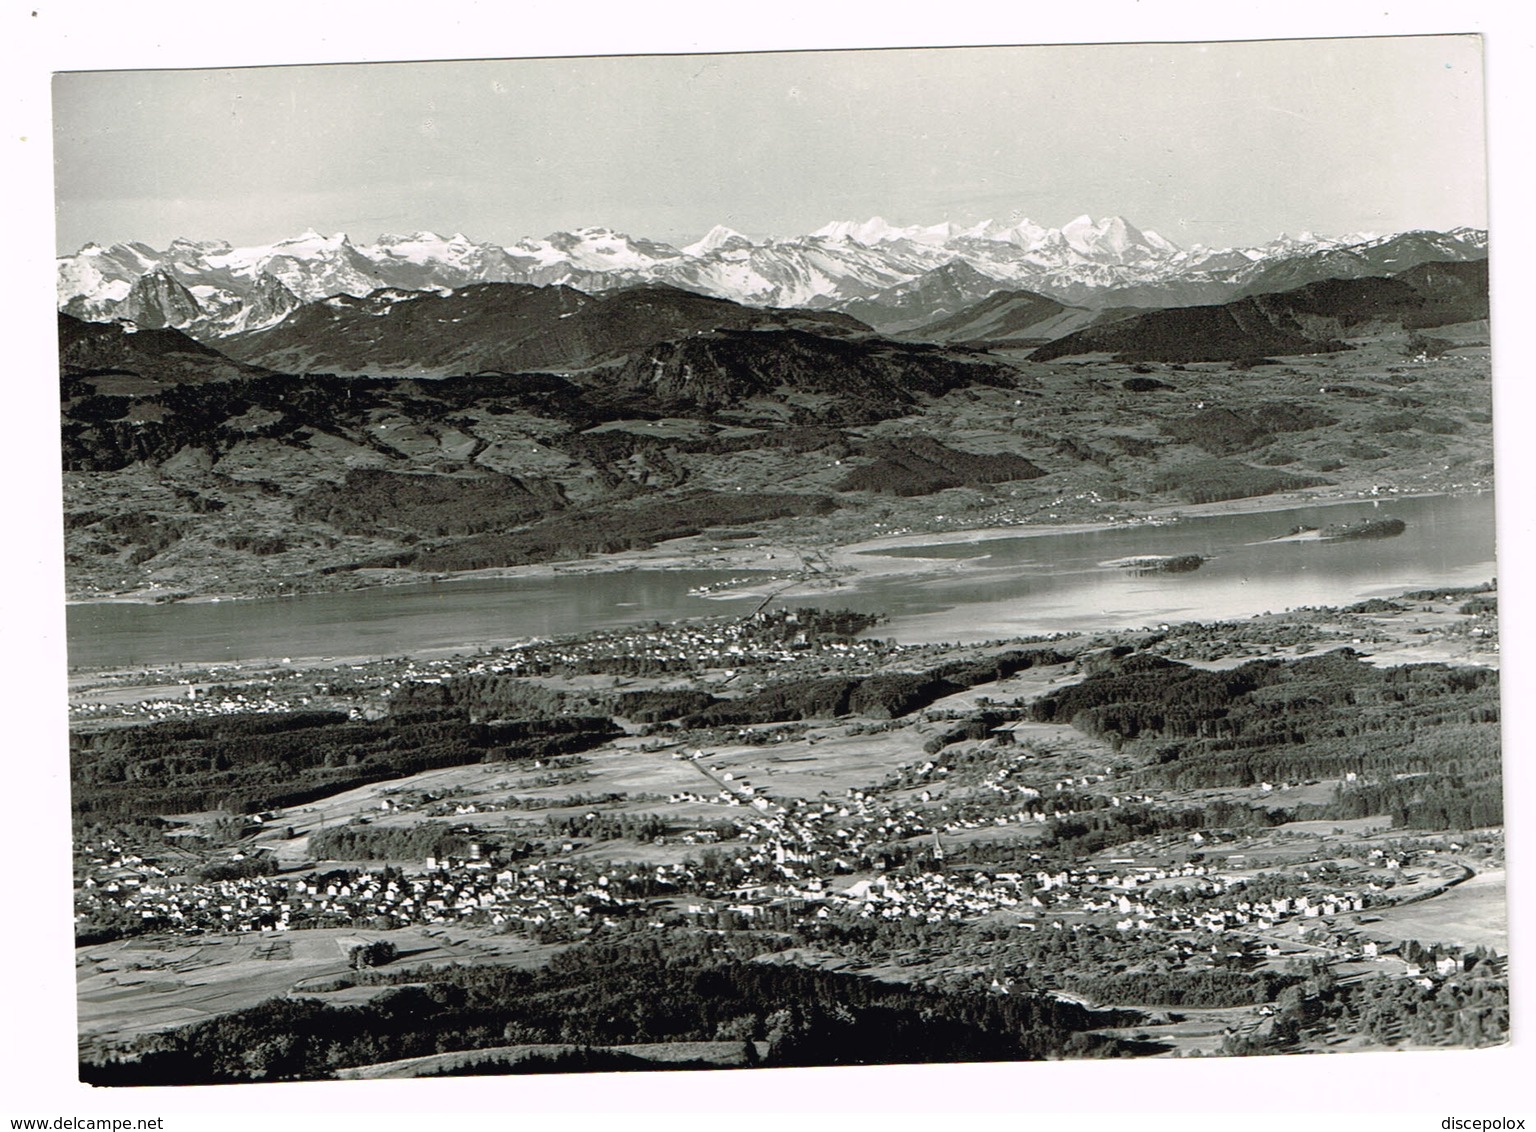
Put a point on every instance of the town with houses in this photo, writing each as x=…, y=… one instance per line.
x=719, y=644
x=794, y=863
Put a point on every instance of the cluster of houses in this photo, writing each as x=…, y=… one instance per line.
x=796, y=832
x=1138, y=898
x=1082, y=506
x=1000, y=797
x=193, y=704
x=680, y=647
x=807, y=861
x=1130, y=901
x=786, y=840
x=109, y=874
x=772, y=639
x=443, y=892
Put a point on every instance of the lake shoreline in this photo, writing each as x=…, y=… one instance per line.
x=437, y=620
x=841, y=563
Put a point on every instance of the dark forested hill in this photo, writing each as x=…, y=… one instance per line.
x=1308, y=320
x=1421, y=741
x=115, y=350
x=503, y=327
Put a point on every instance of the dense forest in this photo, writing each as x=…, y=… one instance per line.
x=1211, y=987
x=357, y=842
x=886, y=695
x=608, y=530
x=920, y=466
x=675, y=988
x=1422, y=741
x=1224, y=431
x=247, y=763
x=374, y=498
x=1210, y=481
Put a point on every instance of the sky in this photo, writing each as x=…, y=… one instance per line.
x=1217, y=144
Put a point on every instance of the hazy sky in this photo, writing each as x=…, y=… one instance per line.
x=1214, y=144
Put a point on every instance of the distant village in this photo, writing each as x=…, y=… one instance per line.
x=267, y=688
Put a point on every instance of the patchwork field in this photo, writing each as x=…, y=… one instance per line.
x=136, y=986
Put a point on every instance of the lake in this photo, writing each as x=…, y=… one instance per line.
x=996, y=588
x=1019, y=586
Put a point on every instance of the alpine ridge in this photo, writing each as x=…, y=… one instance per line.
x=879, y=272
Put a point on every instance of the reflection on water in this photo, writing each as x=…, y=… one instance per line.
x=998, y=588
x=383, y=621
x=1011, y=587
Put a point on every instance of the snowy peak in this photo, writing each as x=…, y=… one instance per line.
x=1472, y=237
x=1080, y=230
x=1114, y=240
x=876, y=231
x=1025, y=234
x=312, y=237
x=866, y=233
x=308, y=245
x=267, y=304
x=718, y=239
x=426, y=248
x=182, y=248
x=1305, y=243
x=599, y=249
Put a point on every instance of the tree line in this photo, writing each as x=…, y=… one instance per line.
x=248, y=763
x=1421, y=741
x=885, y=695
x=650, y=988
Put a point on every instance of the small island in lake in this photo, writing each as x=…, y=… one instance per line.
x=1163, y=563
x=1365, y=528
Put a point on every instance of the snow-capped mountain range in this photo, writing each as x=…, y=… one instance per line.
x=212, y=289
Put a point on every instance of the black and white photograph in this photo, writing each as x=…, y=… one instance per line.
x=735, y=561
